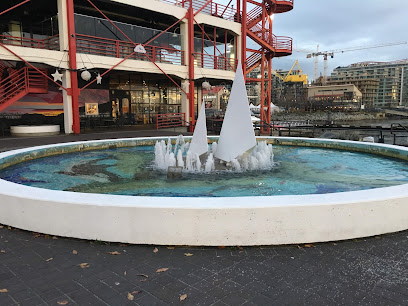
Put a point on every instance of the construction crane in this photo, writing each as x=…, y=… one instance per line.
x=330, y=53
x=297, y=77
x=290, y=77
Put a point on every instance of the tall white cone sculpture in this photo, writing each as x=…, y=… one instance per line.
x=237, y=133
x=199, y=143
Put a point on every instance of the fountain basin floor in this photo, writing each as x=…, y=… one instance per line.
x=248, y=220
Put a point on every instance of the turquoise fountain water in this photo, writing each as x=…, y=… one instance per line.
x=132, y=171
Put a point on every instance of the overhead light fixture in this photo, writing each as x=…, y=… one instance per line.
x=174, y=33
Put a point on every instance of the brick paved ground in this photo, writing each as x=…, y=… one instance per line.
x=38, y=269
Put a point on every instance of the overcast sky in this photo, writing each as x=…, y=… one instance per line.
x=342, y=24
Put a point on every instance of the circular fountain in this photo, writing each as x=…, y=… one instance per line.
x=204, y=220
x=133, y=201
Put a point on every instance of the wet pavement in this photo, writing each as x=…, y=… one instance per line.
x=38, y=269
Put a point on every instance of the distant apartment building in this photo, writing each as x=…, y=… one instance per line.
x=382, y=84
x=334, y=97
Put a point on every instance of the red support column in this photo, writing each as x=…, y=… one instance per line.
x=243, y=37
x=74, y=92
x=215, y=44
x=238, y=11
x=269, y=95
x=191, y=95
x=263, y=116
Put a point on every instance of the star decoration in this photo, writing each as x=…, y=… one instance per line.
x=57, y=76
x=98, y=79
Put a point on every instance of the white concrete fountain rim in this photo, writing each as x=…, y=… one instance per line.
x=206, y=221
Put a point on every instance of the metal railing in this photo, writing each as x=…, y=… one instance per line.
x=213, y=8
x=214, y=62
x=22, y=80
x=277, y=42
x=170, y=120
x=14, y=84
x=121, y=49
x=50, y=43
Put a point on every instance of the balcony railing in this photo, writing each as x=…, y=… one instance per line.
x=278, y=42
x=50, y=43
x=121, y=49
x=213, y=8
x=214, y=62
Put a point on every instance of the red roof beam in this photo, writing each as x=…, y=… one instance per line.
x=13, y=7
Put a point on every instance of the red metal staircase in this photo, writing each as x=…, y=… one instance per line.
x=19, y=83
x=259, y=29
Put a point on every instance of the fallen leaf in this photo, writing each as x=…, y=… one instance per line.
x=144, y=275
x=162, y=270
x=130, y=296
x=188, y=254
x=54, y=237
x=155, y=250
x=49, y=259
x=114, y=253
x=65, y=302
x=9, y=227
x=84, y=265
x=3, y=290
x=75, y=252
x=47, y=236
x=136, y=292
x=170, y=248
x=377, y=237
x=309, y=245
x=221, y=247
x=3, y=251
x=334, y=243
x=240, y=247
x=241, y=251
x=123, y=245
x=183, y=297
x=1, y=226
x=37, y=235
x=124, y=273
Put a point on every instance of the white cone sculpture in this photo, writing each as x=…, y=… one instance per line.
x=199, y=143
x=237, y=133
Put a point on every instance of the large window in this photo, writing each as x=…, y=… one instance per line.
x=148, y=97
x=98, y=27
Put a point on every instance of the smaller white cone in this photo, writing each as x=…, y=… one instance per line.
x=199, y=143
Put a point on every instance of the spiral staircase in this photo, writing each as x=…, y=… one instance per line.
x=271, y=45
x=259, y=29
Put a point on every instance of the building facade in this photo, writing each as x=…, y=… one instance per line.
x=127, y=60
x=383, y=84
x=334, y=98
